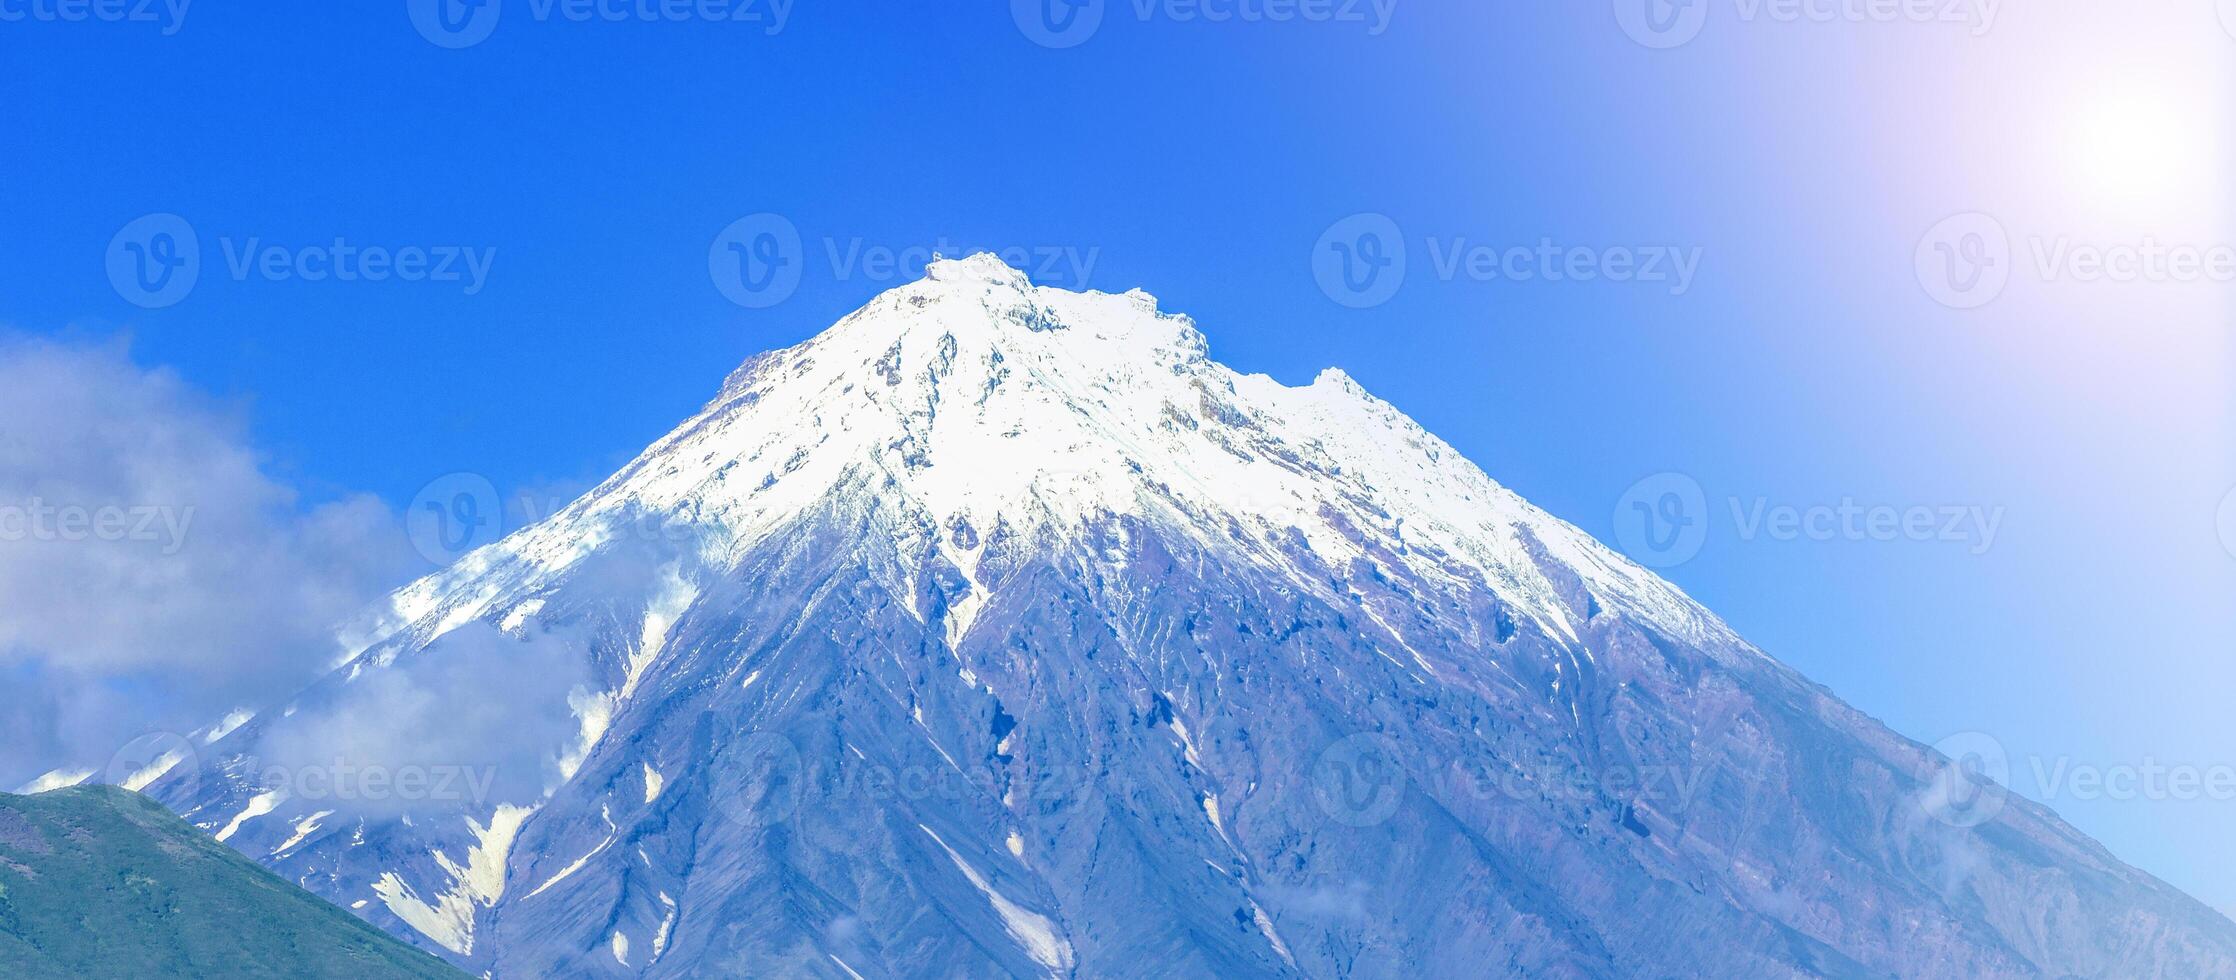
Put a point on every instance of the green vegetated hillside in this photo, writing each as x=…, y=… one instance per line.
x=100, y=882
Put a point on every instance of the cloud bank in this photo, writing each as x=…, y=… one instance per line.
x=478, y=718
x=153, y=575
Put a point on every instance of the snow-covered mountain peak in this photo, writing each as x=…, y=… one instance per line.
x=981, y=266
x=1128, y=614
x=973, y=400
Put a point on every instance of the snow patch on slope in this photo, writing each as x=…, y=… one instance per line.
x=666, y=931
x=569, y=870
x=57, y=779
x=520, y=615
x=227, y=725
x=1034, y=933
x=258, y=805
x=304, y=828
x=674, y=595
x=154, y=770
x=449, y=919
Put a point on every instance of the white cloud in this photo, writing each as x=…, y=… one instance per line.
x=153, y=575
x=476, y=719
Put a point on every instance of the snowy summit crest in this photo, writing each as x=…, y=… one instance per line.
x=972, y=397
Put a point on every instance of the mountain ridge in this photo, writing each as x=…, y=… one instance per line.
x=966, y=636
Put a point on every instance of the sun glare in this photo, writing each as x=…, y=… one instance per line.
x=2138, y=149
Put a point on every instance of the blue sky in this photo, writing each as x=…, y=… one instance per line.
x=1814, y=354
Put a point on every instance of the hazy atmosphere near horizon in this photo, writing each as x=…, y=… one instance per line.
x=1103, y=487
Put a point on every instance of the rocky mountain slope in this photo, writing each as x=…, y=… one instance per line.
x=998, y=630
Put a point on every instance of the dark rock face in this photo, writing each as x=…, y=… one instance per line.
x=871, y=731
